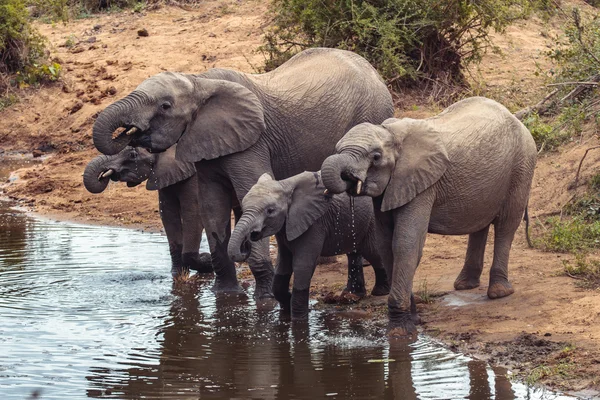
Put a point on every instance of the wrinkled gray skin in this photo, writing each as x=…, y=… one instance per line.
x=237, y=126
x=307, y=224
x=177, y=193
x=454, y=174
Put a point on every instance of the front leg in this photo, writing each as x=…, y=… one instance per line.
x=410, y=230
x=283, y=274
x=306, y=249
x=168, y=207
x=215, y=208
x=192, y=225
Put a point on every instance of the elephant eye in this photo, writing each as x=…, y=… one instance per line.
x=376, y=156
x=165, y=106
x=270, y=211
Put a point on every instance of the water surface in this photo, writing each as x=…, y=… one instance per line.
x=92, y=312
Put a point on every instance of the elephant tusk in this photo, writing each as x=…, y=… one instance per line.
x=358, y=186
x=326, y=191
x=106, y=174
x=131, y=131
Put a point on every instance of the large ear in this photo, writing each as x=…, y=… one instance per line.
x=309, y=203
x=168, y=170
x=422, y=160
x=230, y=120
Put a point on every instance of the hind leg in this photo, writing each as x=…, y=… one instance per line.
x=471, y=271
x=356, y=276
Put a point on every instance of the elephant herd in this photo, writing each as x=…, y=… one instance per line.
x=310, y=153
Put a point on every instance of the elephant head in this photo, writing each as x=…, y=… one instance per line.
x=296, y=202
x=209, y=118
x=135, y=165
x=398, y=159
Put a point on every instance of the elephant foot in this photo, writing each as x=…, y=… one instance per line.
x=201, y=263
x=380, y=290
x=263, y=291
x=463, y=283
x=402, y=324
x=300, y=304
x=499, y=289
x=226, y=285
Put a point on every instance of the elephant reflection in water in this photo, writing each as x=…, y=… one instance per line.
x=231, y=350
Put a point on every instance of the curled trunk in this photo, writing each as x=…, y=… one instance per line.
x=120, y=114
x=331, y=173
x=91, y=176
x=239, y=243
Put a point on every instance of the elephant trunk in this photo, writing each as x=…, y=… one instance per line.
x=117, y=115
x=333, y=173
x=97, y=174
x=239, y=243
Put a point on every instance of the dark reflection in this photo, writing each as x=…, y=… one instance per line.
x=13, y=236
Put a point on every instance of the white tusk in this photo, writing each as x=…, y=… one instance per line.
x=326, y=191
x=106, y=174
x=131, y=131
x=358, y=186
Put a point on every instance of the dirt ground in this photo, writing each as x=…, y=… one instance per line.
x=548, y=329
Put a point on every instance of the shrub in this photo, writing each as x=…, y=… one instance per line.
x=406, y=40
x=571, y=235
x=20, y=44
x=587, y=272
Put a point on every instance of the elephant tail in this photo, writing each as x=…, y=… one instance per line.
x=526, y=219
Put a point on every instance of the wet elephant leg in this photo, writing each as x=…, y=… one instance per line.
x=356, y=276
x=168, y=206
x=262, y=268
x=382, y=286
x=410, y=231
x=283, y=275
x=193, y=226
x=215, y=208
x=471, y=271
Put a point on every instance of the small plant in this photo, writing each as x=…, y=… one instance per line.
x=585, y=271
x=38, y=73
x=546, y=371
x=545, y=135
x=71, y=41
x=426, y=294
x=8, y=100
x=570, y=235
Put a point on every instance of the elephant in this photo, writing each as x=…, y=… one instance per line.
x=453, y=174
x=236, y=126
x=177, y=193
x=307, y=223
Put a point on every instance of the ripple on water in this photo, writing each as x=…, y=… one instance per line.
x=89, y=311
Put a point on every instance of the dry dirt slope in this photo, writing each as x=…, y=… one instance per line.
x=104, y=59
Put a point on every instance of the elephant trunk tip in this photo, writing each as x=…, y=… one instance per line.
x=334, y=175
x=239, y=252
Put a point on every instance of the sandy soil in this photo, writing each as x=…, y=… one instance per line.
x=548, y=322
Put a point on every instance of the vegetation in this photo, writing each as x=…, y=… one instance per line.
x=585, y=271
x=408, y=41
x=571, y=235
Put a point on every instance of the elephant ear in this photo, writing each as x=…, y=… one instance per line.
x=421, y=162
x=309, y=203
x=230, y=120
x=168, y=170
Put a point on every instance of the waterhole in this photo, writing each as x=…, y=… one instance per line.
x=92, y=312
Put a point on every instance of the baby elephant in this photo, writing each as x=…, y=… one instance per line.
x=177, y=193
x=307, y=224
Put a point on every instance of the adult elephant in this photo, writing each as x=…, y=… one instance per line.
x=237, y=126
x=454, y=174
x=177, y=198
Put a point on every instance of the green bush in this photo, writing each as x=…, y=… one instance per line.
x=570, y=236
x=406, y=40
x=20, y=44
x=547, y=136
x=587, y=272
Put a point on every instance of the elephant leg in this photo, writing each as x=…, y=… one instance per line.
x=504, y=233
x=471, y=271
x=192, y=226
x=410, y=231
x=382, y=285
x=168, y=206
x=215, y=208
x=283, y=275
x=262, y=268
x=306, y=253
x=356, y=276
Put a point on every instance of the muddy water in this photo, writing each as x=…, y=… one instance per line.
x=88, y=311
